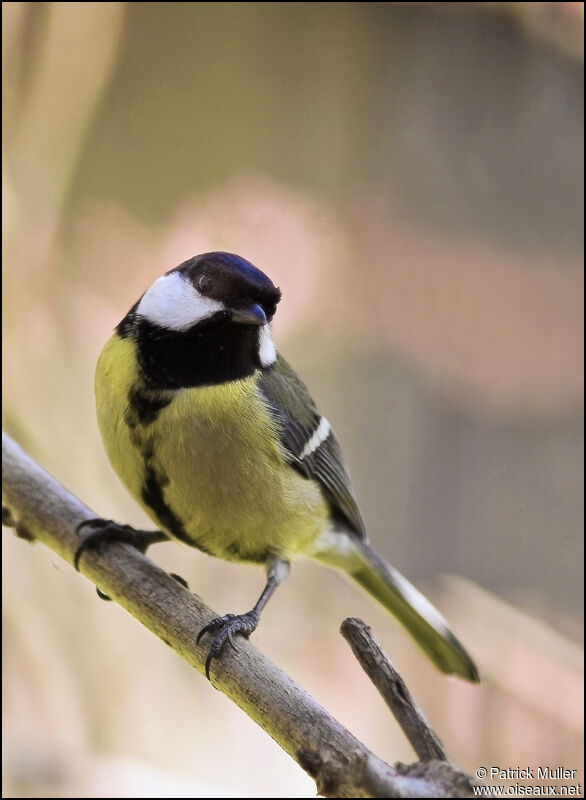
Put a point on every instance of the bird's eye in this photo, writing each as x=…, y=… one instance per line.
x=205, y=283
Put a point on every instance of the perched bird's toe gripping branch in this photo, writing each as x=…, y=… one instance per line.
x=244, y=624
x=225, y=627
x=106, y=531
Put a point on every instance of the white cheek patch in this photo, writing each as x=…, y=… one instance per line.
x=320, y=435
x=267, y=352
x=173, y=302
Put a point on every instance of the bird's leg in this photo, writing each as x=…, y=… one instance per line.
x=225, y=627
x=105, y=531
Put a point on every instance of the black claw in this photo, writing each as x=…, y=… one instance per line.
x=105, y=531
x=102, y=531
x=225, y=628
x=215, y=624
x=102, y=596
x=208, y=665
x=179, y=579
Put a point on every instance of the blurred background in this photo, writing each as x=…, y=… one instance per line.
x=412, y=177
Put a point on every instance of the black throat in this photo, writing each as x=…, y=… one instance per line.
x=213, y=351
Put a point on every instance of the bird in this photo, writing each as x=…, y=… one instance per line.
x=218, y=439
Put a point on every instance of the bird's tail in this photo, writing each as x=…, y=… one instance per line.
x=405, y=602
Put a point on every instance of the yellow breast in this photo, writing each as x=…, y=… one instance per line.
x=209, y=469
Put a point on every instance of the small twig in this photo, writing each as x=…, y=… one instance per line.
x=393, y=690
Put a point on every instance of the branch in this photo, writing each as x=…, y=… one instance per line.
x=393, y=690
x=39, y=507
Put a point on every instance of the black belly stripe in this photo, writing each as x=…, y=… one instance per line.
x=152, y=496
x=145, y=406
x=142, y=410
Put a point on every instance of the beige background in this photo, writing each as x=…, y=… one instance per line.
x=412, y=177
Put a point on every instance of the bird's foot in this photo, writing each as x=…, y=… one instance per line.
x=105, y=531
x=225, y=628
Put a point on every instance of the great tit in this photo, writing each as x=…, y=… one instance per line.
x=220, y=442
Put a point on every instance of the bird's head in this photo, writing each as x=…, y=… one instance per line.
x=204, y=322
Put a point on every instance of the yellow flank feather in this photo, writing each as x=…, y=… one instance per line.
x=214, y=454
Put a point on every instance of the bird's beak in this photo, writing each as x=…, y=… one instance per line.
x=252, y=315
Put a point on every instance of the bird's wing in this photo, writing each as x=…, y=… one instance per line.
x=310, y=445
